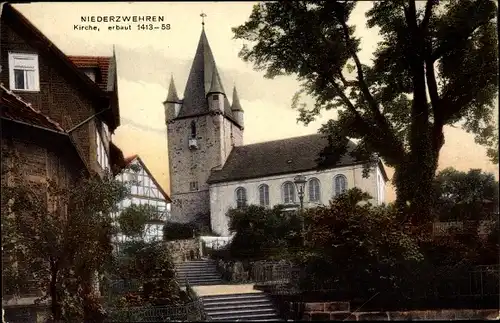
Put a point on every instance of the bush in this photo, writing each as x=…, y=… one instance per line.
x=356, y=248
x=262, y=233
x=178, y=231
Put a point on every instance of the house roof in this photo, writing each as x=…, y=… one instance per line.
x=276, y=157
x=129, y=160
x=14, y=108
x=101, y=63
x=201, y=76
x=27, y=30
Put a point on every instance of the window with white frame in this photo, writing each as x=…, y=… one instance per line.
x=106, y=131
x=241, y=197
x=24, y=72
x=340, y=184
x=288, y=193
x=314, y=190
x=264, y=195
x=102, y=155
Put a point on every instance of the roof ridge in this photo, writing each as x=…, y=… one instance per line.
x=283, y=139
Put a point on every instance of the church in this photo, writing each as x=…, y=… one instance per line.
x=211, y=170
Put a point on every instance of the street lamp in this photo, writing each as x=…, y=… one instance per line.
x=300, y=184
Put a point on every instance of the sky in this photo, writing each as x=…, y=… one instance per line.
x=148, y=58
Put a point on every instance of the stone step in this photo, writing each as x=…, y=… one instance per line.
x=274, y=319
x=207, y=279
x=246, y=317
x=238, y=297
x=189, y=274
x=195, y=263
x=195, y=270
x=192, y=278
x=237, y=302
x=200, y=271
x=206, y=283
x=245, y=305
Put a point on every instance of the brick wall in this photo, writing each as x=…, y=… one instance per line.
x=182, y=250
x=60, y=96
x=340, y=311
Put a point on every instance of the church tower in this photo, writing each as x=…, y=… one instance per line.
x=202, y=129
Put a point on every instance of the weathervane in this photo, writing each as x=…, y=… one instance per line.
x=203, y=15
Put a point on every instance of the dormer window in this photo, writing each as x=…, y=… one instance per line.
x=24, y=72
x=90, y=72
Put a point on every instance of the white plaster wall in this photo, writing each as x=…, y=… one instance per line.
x=223, y=195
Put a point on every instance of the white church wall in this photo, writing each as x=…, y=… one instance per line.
x=223, y=195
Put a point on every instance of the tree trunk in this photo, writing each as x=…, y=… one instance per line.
x=55, y=305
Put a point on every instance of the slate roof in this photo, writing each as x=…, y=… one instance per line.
x=276, y=157
x=14, y=108
x=199, y=83
x=101, y=63
x=236, y=101
x=172, y=92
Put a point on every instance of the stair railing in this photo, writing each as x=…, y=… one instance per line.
x=200, y=309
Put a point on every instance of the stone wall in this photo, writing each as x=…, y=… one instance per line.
x=339, y=311
x=183, y=250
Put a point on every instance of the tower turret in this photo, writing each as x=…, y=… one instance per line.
x=172, y=104
x=236, y=109
x=215, y=95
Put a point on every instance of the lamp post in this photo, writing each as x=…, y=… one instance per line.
x=300, y=184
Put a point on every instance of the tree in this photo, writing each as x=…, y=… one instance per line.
x=447, y=50
x=261, y=232
x=59, y=236
x=463, y=196
x=356, y=247
x=148, y=263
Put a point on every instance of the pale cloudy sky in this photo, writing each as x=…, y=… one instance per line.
x=146, y=59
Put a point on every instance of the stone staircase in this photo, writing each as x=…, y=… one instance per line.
x=255, y=307
x=197, y=272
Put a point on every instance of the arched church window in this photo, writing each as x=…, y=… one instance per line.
x=288, y=193
x=314, y=190
x=340, y=183
x=241, y=197
x=193, y=129
x=264, y=195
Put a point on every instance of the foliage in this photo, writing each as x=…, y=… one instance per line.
x=262, y=232
x=152, y=266
x=133, y=219
x=356, y=247
x=148, y=263
x=178, y=231
x=462, y=196
x=448, y=49
x=57, y=235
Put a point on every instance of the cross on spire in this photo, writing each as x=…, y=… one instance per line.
x=203, y=15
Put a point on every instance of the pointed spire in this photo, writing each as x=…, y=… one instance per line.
x=172, y=96
x=199, y=81
x=236, y=106
x=215, y=86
